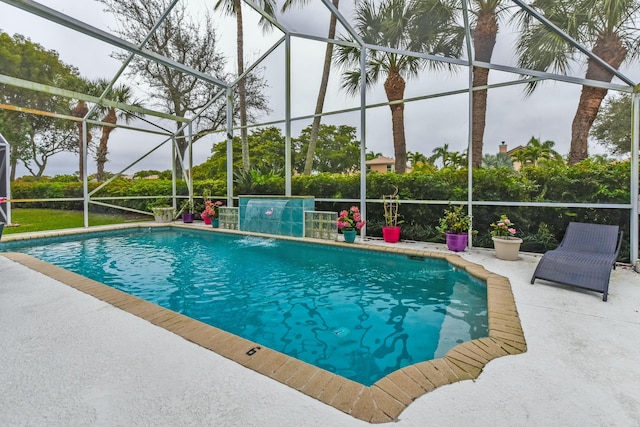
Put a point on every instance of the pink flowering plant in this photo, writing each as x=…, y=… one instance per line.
x=350, y=220
x=503, y=227
x=211, y=209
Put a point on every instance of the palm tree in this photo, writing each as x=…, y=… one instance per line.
x=416, y=157
x=80, y=110
x=324, y=82
x=497, y=161
x=458, y=160
x=441, y=153
x=122, y=94
x=423, y=167
x=419, y=26
x=606, y=26
x=234, y=8
x=536, y=151
x=521, y=157
x=486, y=14
x=372, y=155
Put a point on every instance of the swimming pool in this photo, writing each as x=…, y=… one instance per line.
x=382, y=401
x=359, y=314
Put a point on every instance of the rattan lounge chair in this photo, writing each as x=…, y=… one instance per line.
x=584, y=258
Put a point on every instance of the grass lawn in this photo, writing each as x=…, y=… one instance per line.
x=51, y=219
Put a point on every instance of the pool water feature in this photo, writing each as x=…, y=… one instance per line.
x=263, y=216
x=360, y=314
x=277, y=215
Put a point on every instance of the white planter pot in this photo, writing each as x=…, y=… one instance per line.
x=163, y=214
x=507, y=248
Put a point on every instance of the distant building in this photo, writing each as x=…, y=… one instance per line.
x=502, y=149
x=381, y=164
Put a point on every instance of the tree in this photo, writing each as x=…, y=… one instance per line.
x=419, y=26
x=612, y=127
x=80, y=110
x=416, y=157
x=441, y=153
x=607, y=27
x=535, y=152
x=338, y=150
x=120, y=93
x=423, y=167
x=181, y=39
x=324, y=81
x=458, y=160
x=266, y=146
x=521, y=157
x=21, y=58
x=496, y=161
x=14, y=126
x=58, y=136
x=484, y=33
x=234, y=8
x=370, y=155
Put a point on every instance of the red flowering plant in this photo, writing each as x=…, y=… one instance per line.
x=211, y=209
x=503, y=228
x=350, y=220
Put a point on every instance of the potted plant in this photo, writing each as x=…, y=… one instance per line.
x=187, y=211
x=455, y=224
x=211, y=212
x=206, y=196
x=349, y=222
x=391, y=229
x=162, y=211
x=505, y=243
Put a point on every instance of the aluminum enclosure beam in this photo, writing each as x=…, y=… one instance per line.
x=84, y=28
x=43, y=88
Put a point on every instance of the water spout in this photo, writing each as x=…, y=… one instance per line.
x=269, y=212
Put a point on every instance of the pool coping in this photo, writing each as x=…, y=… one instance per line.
x=381, y=402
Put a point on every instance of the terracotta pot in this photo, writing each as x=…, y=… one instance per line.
x=507, y=248
x=457, y=242
x=391, y=234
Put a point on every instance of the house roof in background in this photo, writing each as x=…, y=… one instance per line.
x=380, y=161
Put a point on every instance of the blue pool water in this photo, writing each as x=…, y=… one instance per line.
x=359, y=314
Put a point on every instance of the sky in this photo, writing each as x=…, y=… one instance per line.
x=511, y=116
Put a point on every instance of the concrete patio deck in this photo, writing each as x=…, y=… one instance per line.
x=69, y=359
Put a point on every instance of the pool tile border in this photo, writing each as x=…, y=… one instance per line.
x=381, y=402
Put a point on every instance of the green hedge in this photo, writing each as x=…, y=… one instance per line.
x=541, y=228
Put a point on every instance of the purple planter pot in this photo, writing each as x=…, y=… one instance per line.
x=188, y=218
x=457, y=242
